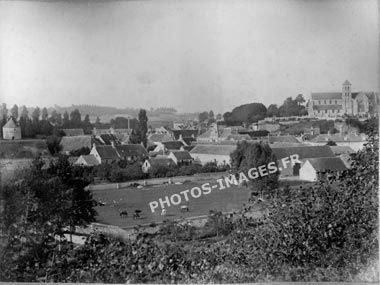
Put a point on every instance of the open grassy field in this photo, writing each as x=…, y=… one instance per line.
x=22, y=148
x=132, y=199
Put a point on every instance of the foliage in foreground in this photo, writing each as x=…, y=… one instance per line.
x=327, y=232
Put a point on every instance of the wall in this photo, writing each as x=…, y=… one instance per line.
x=307, y=172
x=8, y=133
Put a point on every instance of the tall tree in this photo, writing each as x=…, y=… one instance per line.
x=66, y=120
x=272, y=111
x=53, y=117
x=24, y=112
x=300, y=100
x=87, y=127
x=203, y=117
x=45, y=114
x=36, y=120
x=75, y=119
x=4, y=110
x=143, y=126
x=59, y=119
x=253, y=156
x=14, y=112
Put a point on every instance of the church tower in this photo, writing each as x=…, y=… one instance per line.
x=347, y=98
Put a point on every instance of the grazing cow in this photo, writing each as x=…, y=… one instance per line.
x=136, y=214
x=124, y=213
x=184, y=208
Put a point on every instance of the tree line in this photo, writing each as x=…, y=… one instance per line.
x=253, y=112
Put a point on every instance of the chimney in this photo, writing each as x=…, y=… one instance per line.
x=329, y=133
x=180, y=137
x=113, y=144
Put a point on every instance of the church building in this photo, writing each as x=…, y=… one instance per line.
x=333, y=104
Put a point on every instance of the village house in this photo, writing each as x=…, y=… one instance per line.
x=168, y=146
x=87, y=160
x=161, y=161
x=11, y=131
x=219, y=154
x=181, y=157
x=303, y=152
x=131, y=152
x=186, y=141
x=321, y=168
x=159, y=138
x=356, y=142
x=73, y=143
x=105, y=154
x=282, y=139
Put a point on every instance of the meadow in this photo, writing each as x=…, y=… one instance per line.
x=131, y=199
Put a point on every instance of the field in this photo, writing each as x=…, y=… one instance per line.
x=132, y=199
x=22, y=148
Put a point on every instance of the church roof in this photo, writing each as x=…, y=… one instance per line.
x=326, y=95
x=346, y=82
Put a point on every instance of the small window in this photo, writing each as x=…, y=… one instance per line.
x=336, y=102
x=325, y=102
x=330, y=102
x=319, y=102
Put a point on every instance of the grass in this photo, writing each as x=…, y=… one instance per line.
x=22, y=148
x=131, y=199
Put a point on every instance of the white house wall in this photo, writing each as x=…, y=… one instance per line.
x=204, y=158
x=307, y=172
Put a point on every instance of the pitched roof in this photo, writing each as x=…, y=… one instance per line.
x=75, y=142
x=108, y=138
x=160, y=138
x=184, y=133
x=346, y=82
x=338, y=138
x=128, y=150
x=238, y=137
x=89, y=159
x=11, y=124
x=303, y=152
x=287, y=139
x=326, y=95
x=213, y=149
x=338, y=150
x=182, y=155
x=189, y=140
x=161, y=161
x=207, y=134
x=107, y=152
x=327, y=163
x=188, y=147
x=173, y=145
x=73, y=132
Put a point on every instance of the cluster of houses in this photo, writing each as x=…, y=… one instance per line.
x=178, y=147
x=186, y=145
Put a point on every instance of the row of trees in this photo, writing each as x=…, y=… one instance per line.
x=251, y=113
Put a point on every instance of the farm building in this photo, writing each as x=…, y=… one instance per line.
x=319, y=168
x=304, y=153
x=75, y=143
x=282, y=139
x=181, y=157
x=131, y=152
x=160, y=161
x=87, y=160
x=356, y=142
x=11, y=131
x=105, y=154
x=220, y=154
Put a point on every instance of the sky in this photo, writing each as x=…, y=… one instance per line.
x=191, y=55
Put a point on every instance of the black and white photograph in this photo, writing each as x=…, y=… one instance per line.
x=189, y=141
